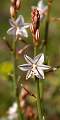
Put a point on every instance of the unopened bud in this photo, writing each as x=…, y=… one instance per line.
x=12, y=11
x=37, y=35
x=18, y=3
x=22, y=103
x=13, y=2
x=50, y=2
x=31, y=28
x=29, y=113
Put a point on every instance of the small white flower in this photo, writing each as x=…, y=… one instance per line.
x=42, y=9
x=12, y=112
x=18, y=27
x=35, y=66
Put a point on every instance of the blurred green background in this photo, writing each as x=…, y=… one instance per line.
x=52, y=82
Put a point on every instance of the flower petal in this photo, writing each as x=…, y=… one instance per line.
x=39, y=59
x=27, y=25
x=11, y=31
x=41, y=5
x=28, y=59
x=41, y=72
x=29, y=73
x=35, y=72
x=45, y=9
x=12, y=22
x=42, y=9
x=24, y=67
x=23, y=32
x=44, y=67
x=20, y=21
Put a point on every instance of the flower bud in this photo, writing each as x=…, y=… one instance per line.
x=37, y=35
x=13, y=2
x=31, y=28
x=22, y=103
x=12, y=11
x=18, y=3
x=29, y=113
x=50, y=2
x=35, y=26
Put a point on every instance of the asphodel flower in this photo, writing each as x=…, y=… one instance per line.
x=35, y=66
x=18, y=27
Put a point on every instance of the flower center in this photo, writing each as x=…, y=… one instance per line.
x=33, y=70
x=17, y=30
x=34, y=66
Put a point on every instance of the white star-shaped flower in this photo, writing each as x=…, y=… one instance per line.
x=35, y=66
x=18, y=27
x=42, y=9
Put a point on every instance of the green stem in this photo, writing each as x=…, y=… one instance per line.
x=41, y=99
x=47, y=22
x=14, y=63
x=39, y=105
x=15, y=79
x=39, y=94
x=35, y=50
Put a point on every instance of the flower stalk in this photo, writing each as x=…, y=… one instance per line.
x=15, y=79
x=39, y=105
x=39, y=93
x=47, y=22
x=14, y=31
x=18, y=29
x=38, y=87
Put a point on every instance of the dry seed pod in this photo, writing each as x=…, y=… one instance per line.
x=18, y=3
x=12, y=11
